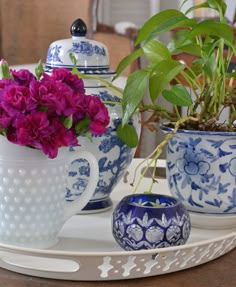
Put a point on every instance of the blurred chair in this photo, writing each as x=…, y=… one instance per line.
x=119, y=43
x=28, y=27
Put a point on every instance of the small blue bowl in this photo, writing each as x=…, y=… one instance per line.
x=148, y=221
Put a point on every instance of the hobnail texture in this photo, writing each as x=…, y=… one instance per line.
x=148, y=221
x=33, y=208
x=32, y=204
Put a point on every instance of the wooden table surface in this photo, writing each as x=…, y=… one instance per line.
x=220, y=272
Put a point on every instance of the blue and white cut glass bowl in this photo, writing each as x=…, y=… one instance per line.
x=148, y=221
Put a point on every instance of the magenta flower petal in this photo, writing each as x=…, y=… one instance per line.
x=36, y=113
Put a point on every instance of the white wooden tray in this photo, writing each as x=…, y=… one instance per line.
x=87, y=251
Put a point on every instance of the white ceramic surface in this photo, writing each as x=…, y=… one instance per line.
x=33, y=208
x=91, y=56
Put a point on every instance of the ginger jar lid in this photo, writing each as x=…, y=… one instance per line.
x=91, y=56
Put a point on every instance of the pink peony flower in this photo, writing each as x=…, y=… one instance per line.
x=5, y=119
x=5, y=83
x=32, y=128
x=45, y=113
x=47, y=95
x=98, y=114
x=65, y=76
x=36, y=130
x=16, y=100
x=59, y=137
x=23, y=77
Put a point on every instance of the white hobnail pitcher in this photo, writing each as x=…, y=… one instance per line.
x=33, y=207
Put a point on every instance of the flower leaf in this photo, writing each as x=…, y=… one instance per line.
x=39, y=70
x=133, y=93
x=127, y=133
x=4, y=70
x=178, y=95
x=81, y=126
x=68, y=122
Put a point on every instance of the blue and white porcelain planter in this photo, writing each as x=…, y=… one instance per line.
x=148, y=221
x=201, y=172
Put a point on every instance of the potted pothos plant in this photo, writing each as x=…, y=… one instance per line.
x=201, y=141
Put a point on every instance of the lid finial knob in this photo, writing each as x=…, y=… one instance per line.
x=78, y=28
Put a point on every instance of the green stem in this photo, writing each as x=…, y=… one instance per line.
x=153, y=157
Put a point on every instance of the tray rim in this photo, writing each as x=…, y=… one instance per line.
x=40, y=252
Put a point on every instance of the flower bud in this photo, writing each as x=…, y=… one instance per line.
x=4, y=70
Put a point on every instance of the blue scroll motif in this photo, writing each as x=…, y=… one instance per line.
x=86, y=48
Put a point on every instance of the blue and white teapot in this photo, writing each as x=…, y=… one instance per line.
x=112, y=154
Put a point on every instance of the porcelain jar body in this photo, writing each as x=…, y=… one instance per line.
x=33, y=208
x=113, y=156
x=201, y=172
x=148, y=221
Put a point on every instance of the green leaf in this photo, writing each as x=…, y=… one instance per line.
x=231, y=75
x=218, y=5
x=210, y=66
x=127, y=61
x=178, y=95
x=164, y=21
x=196, y=69
x=39, y=70
x=213, y=28
x=67, y=122
x=178, y=40
x=196, y=7
x=133, y=93
x=4, y=70
x=127, y=133
x=73, y=59
x=164, y=72
x=82, y=126
x=192, y=49
x=88, y=135
x=155, y=51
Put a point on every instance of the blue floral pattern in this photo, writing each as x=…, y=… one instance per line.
x=53, y=54
x=86, y=48
x=113, y=156
x=201, y=171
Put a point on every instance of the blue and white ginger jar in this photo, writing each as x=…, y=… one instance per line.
x=113, y=156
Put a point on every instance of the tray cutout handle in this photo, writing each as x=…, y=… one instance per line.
x=36, y=263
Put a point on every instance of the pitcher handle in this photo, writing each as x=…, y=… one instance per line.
x=73, y=207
